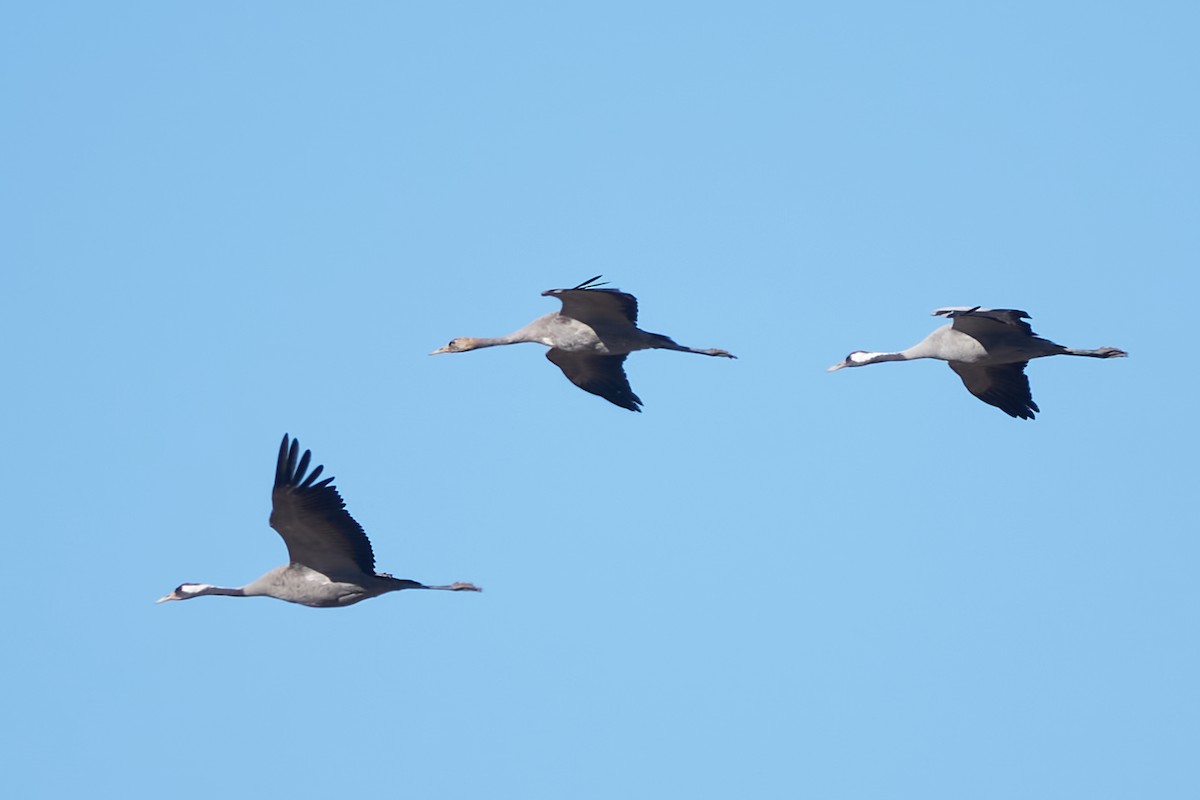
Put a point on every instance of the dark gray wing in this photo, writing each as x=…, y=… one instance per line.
x=312, y=518
x=599, y=374
x=1005, y=386
x=591, y=306
x=977, y=322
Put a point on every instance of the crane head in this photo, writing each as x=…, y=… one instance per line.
x=185, y=591
x=855, y=359
x=460, y=345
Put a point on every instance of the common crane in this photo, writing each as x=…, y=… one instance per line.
x=589, y=340
x=331, y=561
x=988, y=348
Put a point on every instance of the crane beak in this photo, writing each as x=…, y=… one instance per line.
x=440, y=350
x=171, y=596
x=836, y=367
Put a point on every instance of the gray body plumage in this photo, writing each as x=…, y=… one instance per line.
x=297, y=583
x=988, y=349
x=573, y=336
x=331, y=562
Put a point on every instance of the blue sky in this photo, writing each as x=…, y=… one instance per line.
x=224, y=221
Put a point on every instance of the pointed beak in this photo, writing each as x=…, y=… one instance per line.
x=440, y=350
x=171, y=596
x=836, y=367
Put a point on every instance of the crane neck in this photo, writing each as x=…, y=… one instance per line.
x=224, y=591
x=903, y=355
x=516, y=337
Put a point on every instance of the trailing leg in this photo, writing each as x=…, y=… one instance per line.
x=1103, y=352
x=667, y=343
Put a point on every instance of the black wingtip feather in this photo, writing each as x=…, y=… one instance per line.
x=281, y=460
x=312, y=476
x=291, y=467
x=590, y=283
x=286, y=466
x=302, y=467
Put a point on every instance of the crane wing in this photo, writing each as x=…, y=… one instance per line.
x=1005, y=386
x=986, y=321
x=601, y=375
x=592, y=306
x=312, y=518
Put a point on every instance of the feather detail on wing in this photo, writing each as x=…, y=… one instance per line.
x=601, y=375
x=1005, y=386
x=312, y=518
x=972, y=321
x=593, y=305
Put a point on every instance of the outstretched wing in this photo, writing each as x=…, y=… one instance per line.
x=593, y=305
x=312, y=518
x=977, y=321
x=1005, y=386
x=599, y=374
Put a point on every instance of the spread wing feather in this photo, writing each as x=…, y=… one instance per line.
x=592, y=305
x=602, y=375
x=312, y=518
x=1005, y=386
x=974, y=321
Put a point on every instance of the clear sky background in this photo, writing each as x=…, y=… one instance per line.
x=224, y=221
